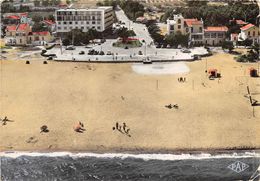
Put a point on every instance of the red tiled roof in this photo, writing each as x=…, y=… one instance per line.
x=13, y=17
x=24, y=14
x=11, y=28
x=247, y=26
x=240, y=22
x=49, y=22
x=22, y=27
x=216, y=28
x=42, y=33
x=191, y=22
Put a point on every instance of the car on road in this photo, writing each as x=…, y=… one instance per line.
x=109, y=53
x=185, y=51
x=147, y=61
x=70, y=48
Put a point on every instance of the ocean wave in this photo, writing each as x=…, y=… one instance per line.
x=169, y=157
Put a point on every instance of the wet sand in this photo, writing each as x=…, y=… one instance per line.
x=212, y=114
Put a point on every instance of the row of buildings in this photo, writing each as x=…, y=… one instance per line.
x=18, y=30
x=211, y=35
x=19, y=25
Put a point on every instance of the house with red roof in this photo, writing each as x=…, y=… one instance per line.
x=193, y=27
x=250, y=32
x=22, y=35
x=17, y=34
x=215, y=35
x=50, y=24
x=39, y=38
x=16, y=18
x=238, y=22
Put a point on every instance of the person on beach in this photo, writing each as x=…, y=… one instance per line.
x=117, y=125
x=124, y=127
x=78, y=128
x=81, y=124
x=5, y=120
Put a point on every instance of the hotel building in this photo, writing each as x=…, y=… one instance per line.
x=100, y=18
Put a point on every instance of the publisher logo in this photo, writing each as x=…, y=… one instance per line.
x=238, y=166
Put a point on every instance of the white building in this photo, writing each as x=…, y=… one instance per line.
x=250, y=32
x=215, y=35
x=193, y=27
x=100, y=18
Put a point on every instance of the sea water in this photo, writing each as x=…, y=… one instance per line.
x=118, y=166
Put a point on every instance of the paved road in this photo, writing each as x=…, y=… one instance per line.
x=139, y=29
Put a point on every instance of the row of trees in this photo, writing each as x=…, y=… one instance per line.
x=154, y=31
x=77, y=37
x=216, y=15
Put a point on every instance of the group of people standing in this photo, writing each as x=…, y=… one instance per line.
x=122, y=128
x=182, y=79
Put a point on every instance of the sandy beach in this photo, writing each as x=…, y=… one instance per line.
x=212, y=114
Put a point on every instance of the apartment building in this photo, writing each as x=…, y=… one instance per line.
x=100, y=18
x=193, y=27
x=215, y=35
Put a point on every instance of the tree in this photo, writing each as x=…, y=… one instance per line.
x=93, y=34
x=66, y=42
x=68, y=1
x=37, y=18
x=37, y=3
x=51, y=17
x=37, y=27
x=139, y=14
x=228, y=45
x=192, y=3
x=124, y=33
x=154, y=31
x=246, y=42
x=175, y=39
x=78, y=37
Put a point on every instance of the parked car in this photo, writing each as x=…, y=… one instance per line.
x=147, y=61
x=126, y=47
x=70, y=48
x=101, y=53
x=140, y=53
x=81, y=53
x=109, y=53
x=185, y=51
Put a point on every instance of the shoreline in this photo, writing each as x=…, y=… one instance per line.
x=210, y=151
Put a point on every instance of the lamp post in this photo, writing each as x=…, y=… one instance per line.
x=144, y=48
